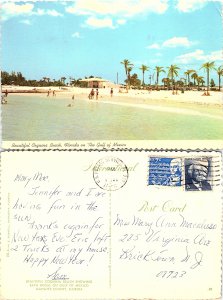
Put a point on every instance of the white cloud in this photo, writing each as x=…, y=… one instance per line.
x=192, y=5
x=188, y=57
x=115, y=11
x=49, y=12
x=11, y=9
x=216, y=55
x=76, y=35
x=121, y=21
x=117, y=7
x=199, y=55
x=40, y=12
x=99, y=23
x=153, y=46
x=176, y=42
x=173, y=43
x=26, y=22
x=53, y=13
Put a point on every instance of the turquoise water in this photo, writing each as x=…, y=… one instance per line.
x=36, y=117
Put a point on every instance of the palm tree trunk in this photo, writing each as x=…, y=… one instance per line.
x=207, y=80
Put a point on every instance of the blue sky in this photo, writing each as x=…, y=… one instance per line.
x=91, y=37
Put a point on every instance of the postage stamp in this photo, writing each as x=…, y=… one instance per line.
x=165, y=171
x=193, y=173
x=110, y=173
x=198, y=174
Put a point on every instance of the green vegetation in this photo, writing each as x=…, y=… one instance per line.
x=144, y=69
x=16, y=78
x=208, y=66
x=220, y=73
x=170, y=82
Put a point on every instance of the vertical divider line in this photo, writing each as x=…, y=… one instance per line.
x=110, y=242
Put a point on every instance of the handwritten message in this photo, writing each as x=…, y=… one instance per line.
x=56, y=227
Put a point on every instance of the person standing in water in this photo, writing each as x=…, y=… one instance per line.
x=97, y=92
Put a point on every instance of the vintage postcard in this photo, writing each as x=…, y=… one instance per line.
x=116, y=77
x=111, y=225
x=111, y=74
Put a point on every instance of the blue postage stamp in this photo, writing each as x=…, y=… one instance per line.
x=165, y=171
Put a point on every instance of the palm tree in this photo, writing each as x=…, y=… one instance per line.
x=220, y=73
x=166, y=82
x=144, y=69
x=62, y=79
x=126, y=64
x=158, y=71
x=194, y=76
x=129, y=69
x=200, y=79
x=173, y=71
x=208, y=66
x=187, y=73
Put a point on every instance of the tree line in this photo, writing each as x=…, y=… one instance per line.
x=172, y=72
x=17, y=78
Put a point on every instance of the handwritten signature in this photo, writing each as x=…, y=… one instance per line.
x=57, y=276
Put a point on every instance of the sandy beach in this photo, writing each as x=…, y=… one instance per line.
x=189, y=102
x=132, y=96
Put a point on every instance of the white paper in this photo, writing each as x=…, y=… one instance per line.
x=91, y=225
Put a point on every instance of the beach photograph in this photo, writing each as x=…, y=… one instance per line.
x=111, y=70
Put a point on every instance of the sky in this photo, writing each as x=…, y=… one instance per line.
x=81, y=38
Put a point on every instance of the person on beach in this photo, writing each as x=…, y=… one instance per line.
x=92, y=94
x=6, y=93
x=97, y=94
x=73, y=97
x=48, y=93
x=111, y=92
x=176, y=93
x=54, y=94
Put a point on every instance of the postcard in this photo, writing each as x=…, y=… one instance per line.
x=111, y=225
x=111, y=74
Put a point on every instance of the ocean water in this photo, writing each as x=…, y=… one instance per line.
x=36, y=117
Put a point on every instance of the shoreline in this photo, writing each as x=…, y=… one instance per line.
x=156, y=100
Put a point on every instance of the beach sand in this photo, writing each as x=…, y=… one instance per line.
x=188, y=102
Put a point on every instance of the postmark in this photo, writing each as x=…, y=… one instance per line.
x=164, y=171
x=110, y=173
x=198, y=174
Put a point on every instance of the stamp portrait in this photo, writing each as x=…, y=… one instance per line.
x=198, y=174
x=165, y=171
